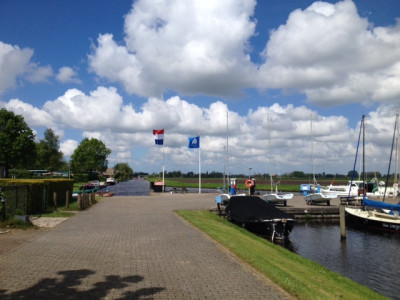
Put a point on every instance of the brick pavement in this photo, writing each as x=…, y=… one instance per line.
x=130, y=248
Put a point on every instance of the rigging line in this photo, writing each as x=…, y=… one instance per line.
x=312, y=152
x=269, y=150
x=355, y=160
x=390, y=159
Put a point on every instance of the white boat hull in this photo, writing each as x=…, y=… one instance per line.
x=319, y=198
x=374, y=220
x=277, y=198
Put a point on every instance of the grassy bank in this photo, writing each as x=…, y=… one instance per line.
x=299, y=276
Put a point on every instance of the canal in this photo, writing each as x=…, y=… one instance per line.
x=371, y=259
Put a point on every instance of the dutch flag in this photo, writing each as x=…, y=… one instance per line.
x=159, y=134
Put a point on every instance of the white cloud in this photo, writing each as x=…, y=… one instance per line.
x=191, y=47
x=128, y=133
x=68, y=147
x=326, y=51
x=33, y=116
x=67, y=75
x=16, y=63
x=333, y=55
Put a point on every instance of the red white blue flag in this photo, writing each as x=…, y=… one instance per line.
x=159, y=134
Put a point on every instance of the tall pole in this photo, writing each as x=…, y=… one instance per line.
x=223, y=180
x=269, y=150
x=163, y=168
x=199, y=168
x=312, y=151
x=227, y=148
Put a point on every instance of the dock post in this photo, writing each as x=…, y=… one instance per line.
x=342, y=221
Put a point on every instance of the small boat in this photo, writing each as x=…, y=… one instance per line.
x=320, y=198
x=351, y=189
x=278, y=198
x=379, y=220
x=375, y=215
x=313, y=193
x=254, y=214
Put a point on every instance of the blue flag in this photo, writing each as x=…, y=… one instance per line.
x=194, y=142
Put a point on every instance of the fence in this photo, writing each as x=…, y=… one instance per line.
x=16, y=199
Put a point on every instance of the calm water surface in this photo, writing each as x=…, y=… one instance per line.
x=368, y=258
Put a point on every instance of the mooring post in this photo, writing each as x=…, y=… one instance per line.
x=67, y=199
x=342, y=213
x=55, y=200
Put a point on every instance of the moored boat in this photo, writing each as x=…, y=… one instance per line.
x=320, y=198
x=375, y=215
x=373, y=219
x=275, y=198
x=254, y=214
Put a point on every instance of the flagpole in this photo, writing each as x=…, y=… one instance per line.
x=199, y=169
x=163, y=168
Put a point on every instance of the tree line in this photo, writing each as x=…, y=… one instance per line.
x=18, y=150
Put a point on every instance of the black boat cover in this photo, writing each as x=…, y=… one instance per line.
x=249, y=209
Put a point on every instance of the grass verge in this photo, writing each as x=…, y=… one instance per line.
x=299, y=276
x=56, y=214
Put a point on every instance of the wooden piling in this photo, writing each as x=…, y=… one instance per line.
x=342, y=214
x=67, y=199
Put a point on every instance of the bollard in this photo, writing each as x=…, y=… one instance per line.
x=55, y=200
x=67, y=199
x=342, y=213
x=3, y=209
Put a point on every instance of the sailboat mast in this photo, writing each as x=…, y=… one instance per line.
x=397, y=151
x=269, y=151
x=390, y=159
x=363, y=156
x=227, y=148
x=312, y=151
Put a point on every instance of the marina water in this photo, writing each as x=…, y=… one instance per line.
x=371, y=259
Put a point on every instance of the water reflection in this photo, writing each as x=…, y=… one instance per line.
x=371, y=259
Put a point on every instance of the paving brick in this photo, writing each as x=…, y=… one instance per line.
x=130, y=248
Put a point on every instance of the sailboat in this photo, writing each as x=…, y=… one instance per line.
x=315, y=195
x=272, y=197
x=376, y=215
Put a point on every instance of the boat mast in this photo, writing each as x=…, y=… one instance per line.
x=269, y=152
x=227, y=148
x=395, y=182
x=390, y=159
x=312, y=152
x=363, y=158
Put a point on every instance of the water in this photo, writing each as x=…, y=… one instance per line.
x=370, y=259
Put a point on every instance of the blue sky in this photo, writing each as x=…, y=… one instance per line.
x=116, y=70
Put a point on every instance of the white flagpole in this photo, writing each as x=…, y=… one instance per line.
x=199, y=169
x=163, y=168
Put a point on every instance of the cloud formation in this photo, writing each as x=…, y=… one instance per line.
x=67, y=75
x=16, y=63
x=127, y=131
x=334, y=56
x=326, y=51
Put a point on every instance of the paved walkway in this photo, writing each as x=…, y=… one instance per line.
x=129, y=248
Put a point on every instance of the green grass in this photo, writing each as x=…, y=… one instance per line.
x=18, y=224
x=56, y=214
x=299, y=276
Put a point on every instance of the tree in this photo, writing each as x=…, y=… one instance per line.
x=17, y=142
x=48, y=155
x=350, y=174
x=91, y=155
x=123, y=172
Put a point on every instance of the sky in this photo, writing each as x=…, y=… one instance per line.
x=270, y=86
